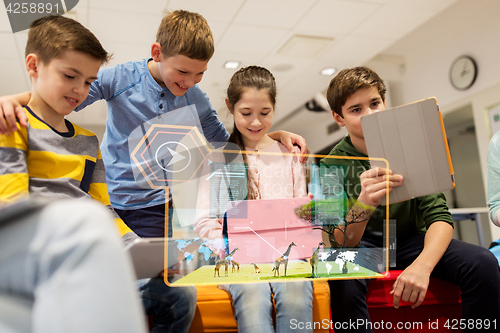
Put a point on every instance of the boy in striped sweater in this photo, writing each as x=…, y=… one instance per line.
x=61, y=261
x=53, y=157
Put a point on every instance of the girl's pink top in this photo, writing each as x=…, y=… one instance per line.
x=274, y=176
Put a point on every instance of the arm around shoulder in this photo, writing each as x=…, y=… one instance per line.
x=213, y=129
x=11, y=110
x=289, y=139
x=99, y=89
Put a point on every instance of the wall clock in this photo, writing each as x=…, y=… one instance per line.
x=463, y=72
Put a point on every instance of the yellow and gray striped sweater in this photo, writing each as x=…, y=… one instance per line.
x=40, y=161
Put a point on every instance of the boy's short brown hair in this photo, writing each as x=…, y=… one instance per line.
x=347, y=82
x=50, y=36
x=185, y=33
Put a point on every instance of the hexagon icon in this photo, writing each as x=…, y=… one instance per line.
x=167, y=149
x=169, y=153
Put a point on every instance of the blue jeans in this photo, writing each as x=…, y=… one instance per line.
x=171, y=308
x=148, y=222
x=253, y=305
x=471, y=267
x=68, y=259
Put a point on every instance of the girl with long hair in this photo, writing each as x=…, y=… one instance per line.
x=272, y=173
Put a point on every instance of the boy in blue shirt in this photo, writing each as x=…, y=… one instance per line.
x=135, y=93
x=142, y=90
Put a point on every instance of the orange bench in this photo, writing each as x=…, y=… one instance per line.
x=214, y=312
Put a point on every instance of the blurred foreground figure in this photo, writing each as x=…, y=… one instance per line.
x=63, y=267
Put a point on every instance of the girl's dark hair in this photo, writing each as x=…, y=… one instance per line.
x=251, y=77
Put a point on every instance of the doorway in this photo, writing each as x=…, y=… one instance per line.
x=469, y=190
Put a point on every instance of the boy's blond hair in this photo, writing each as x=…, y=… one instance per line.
x=347, y=82
x=50, y=36
x=185, y=33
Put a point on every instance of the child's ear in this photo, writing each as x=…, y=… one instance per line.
x=338, y=119
x=156, y=51
x=32, y=63
x=229, y=106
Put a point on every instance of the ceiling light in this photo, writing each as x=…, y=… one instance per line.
x=328, y=71
x=232, y=64
x=308, y=47
x=282, y=67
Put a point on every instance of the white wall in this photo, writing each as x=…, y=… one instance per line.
x=417, y=66
x=468, y=27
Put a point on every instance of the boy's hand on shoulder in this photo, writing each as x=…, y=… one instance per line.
x=304, y=150
x=374, y=185
x=289, y=140
x=411, y=286
x=11, y=111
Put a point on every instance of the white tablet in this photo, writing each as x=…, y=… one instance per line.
x=148, y=256
x=413, y=140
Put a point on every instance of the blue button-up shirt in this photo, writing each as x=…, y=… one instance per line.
x=133, y=97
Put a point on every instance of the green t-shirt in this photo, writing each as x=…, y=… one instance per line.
x=411, y=216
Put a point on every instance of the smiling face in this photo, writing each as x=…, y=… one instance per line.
x=364, y=101
x=178, y=73
x=62, y=84
x=253, y=117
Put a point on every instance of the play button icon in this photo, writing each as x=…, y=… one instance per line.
x=176, y=157
x=173, y=156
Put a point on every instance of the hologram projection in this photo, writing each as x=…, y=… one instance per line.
x=234, y=222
